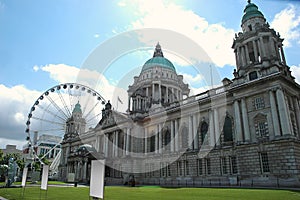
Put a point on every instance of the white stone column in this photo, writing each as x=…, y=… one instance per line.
x=176, y=135
x=84, y=170
x=195, y=135
x=247, y=54
x=113, y=146
x=172, y=136
x=146, y=138
x=283, y=112
x=117, y=144
x=297, y=109
x=124, y=144
x=160, y=139
x=255, y=50
x=243, y=56
x=237, y=119
x=128, y=141
x=190, y=136
x=159, y=92
x=274, y=114
x=172, y=96
x=106, y=145
x=245, y=121
x=153, y=92
x=211, y=129
x=237, y=62
x=67, y=153
x=217, y=127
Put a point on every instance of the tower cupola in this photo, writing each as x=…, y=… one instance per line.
x=258, y=48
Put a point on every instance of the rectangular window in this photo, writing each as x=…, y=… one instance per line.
x=264, y=162
x=180, y=168
x=168, y=168
x=262, y=128
x=259, y=103
x=223, y=165
x=162, y=170
x=207, y=166
x=200, y=170
x=187, y=169
x=233, y=165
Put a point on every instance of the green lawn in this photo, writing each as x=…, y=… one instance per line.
x=147, y=193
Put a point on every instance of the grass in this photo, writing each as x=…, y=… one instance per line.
x=29, y=183
x=149, y=193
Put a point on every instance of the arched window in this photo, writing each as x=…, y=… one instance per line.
x=184, y=137
x=167, y=139
x=152, y=143
x=227, y=129
x=252, y=76
x=204, y=129
x=261, y=126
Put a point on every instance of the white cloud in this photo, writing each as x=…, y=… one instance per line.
x=61, y=73
x=15, y=104
x=287, y=23
x=18, y=143
x=191, y=80
x=215, y=39
x=296, y=72
x=35, y=68
x=195, y=91
x=18, y=100
x=20, y=118
x=96, y=35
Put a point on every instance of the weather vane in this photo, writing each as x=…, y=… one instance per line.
x=249, y=1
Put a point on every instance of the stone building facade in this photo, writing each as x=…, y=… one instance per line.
x=245, y=132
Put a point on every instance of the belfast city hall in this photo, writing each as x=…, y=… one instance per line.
x=244, y=132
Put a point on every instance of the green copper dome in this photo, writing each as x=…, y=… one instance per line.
x=77, y=108
x=158, y=60
x=250, y=11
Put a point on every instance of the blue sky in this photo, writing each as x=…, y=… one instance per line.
x=44, y=43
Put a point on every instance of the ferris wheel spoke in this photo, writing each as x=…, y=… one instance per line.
x=92, y=118
x=57, y=107
x=91, y=110
x=85, y=105
x=64, y=103
x=70, y=98
x=51, y=113
x=51, y=150
x=52, y=130
x=45, y=120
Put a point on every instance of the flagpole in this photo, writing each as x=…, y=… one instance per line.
x=117, y=104
x=211, y=77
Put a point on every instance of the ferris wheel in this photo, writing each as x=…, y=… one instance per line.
x=50, y=112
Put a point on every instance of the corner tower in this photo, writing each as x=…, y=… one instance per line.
x=76, y=124
x=157, y=86
x=258, y=48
